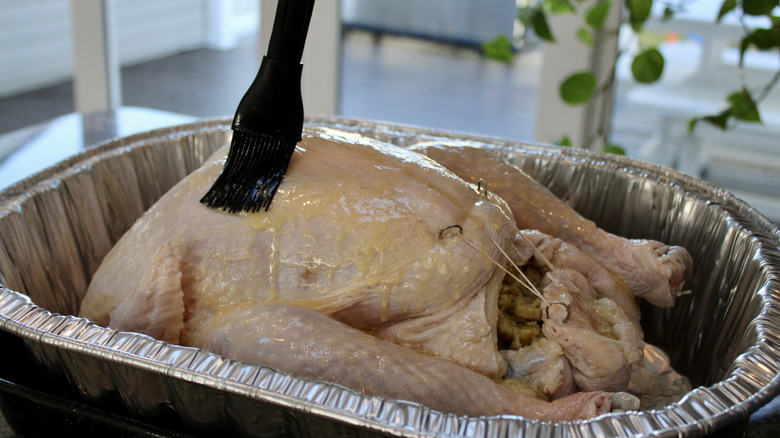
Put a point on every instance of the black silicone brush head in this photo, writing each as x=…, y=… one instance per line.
x=250, y=181
x=268, y=121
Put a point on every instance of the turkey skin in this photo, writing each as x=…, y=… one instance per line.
x=380, y=256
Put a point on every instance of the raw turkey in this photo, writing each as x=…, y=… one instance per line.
x=350, y=266
x=650, y=269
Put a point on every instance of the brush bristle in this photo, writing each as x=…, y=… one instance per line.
x=253, y=170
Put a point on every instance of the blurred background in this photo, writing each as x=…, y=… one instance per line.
x=76, y=72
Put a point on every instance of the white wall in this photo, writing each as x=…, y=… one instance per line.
x=148, y=29
x=462, y=21
x=231, y=20
x=36, y=44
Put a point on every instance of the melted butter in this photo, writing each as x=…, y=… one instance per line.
x=361, y=206
x=331, y=272
x=353, y=192
x=273, y=270
x=457, y=294
x=405, y=306
x=443, y=268
x=385, y=304
x=259, y=222
x=364, y=259
x=429, y=261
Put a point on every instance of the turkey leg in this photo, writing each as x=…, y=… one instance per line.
x=307, y=344
x=650, y=269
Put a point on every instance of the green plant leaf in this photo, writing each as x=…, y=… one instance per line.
x=719, y=120
x=758, y=7
x=743, y=107
x=638, y=12
x=762, y=39
x=668, y=14
x=614, y=149
x=765, y=39
x=578, y=88
x=648, y=66
x=558, y=6
x=585, y=36
x=597, y=14
x=499, y=49
x=744, y=45
x=725, y=8
x=538, y=23
x=565, y=141
x=692, y=124
x=525, y=13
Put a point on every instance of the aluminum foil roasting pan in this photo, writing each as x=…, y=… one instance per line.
x=56, y=226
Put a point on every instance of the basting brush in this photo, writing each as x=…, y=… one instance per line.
x=269, y=119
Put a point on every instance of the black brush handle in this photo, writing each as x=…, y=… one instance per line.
x=273, y=105
x=291, y=24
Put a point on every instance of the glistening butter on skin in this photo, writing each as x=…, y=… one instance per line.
x=351, y=243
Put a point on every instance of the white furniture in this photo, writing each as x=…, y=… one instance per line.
x=33, y=148
x=743, y=160
x=37, y=37
x=96, y=76
x=566, y=56
x=469, y=22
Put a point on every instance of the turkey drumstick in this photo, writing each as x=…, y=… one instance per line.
x=650, y=269
x=307, y=344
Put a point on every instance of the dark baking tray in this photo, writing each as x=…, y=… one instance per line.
x=59, y=352
x=33, y=406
